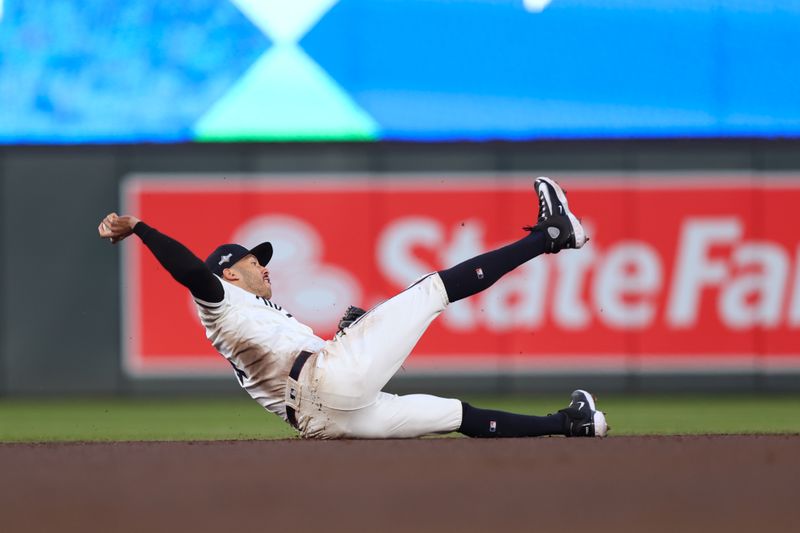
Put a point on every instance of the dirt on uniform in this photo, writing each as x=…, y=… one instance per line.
x=619, y=484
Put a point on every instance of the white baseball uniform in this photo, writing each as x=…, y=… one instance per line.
x=339, y=389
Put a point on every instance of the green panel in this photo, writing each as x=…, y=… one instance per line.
x=286, y=96
x=61, y=322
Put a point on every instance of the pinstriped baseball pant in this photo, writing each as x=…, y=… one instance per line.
x=342, y=394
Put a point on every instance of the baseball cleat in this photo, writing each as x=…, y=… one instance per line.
x=561, y=228
x=583, y=418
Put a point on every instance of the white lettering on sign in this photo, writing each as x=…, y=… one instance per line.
x=754, y=297
x=395, y=248
x=627, y=284
x=517, y=300
x=695, y=269
x=621, y=285
x=570, y=311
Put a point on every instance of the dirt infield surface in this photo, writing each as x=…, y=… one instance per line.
x=729, y=483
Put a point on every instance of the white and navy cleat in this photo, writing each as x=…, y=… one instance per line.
x=583, y=418
x=561, y=227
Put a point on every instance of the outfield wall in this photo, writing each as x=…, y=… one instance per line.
x=690, y=282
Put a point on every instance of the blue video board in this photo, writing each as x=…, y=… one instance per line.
x=92, y=71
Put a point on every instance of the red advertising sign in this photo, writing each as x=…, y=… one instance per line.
x=682, y=271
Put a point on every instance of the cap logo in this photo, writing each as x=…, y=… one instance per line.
x=225, y=259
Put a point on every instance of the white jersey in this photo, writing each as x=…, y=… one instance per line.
x=260, y=339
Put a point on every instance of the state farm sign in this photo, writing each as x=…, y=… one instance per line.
x=688, y=271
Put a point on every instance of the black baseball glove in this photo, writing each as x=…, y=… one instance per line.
x=351, y=314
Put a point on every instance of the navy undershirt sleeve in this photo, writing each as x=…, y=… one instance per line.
x=187, y=269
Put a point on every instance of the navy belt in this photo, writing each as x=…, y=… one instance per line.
x=294, y=373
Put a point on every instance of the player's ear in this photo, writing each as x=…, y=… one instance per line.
x=229, y=274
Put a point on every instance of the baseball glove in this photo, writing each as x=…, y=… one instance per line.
x=352, y=314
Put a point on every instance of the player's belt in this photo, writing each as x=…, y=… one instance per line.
x=294, y=374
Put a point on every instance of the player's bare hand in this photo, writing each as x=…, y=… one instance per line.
x=116, y=228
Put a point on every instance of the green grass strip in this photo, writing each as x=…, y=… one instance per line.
x=119, y=419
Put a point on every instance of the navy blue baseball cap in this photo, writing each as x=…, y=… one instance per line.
x=226, y=255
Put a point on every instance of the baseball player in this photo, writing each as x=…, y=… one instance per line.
x=333, y=388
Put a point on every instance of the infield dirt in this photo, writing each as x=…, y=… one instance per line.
x=698, y=483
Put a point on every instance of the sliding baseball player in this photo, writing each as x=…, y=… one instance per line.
x=333, y=388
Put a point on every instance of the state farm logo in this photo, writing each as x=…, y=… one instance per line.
x=315, y=292
x=687, y=271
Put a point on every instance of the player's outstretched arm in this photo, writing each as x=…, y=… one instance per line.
x=187, y=269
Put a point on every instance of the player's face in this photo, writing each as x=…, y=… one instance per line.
x=254, y=277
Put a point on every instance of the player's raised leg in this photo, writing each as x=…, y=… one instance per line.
x=556, y=228
x=377, y=344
